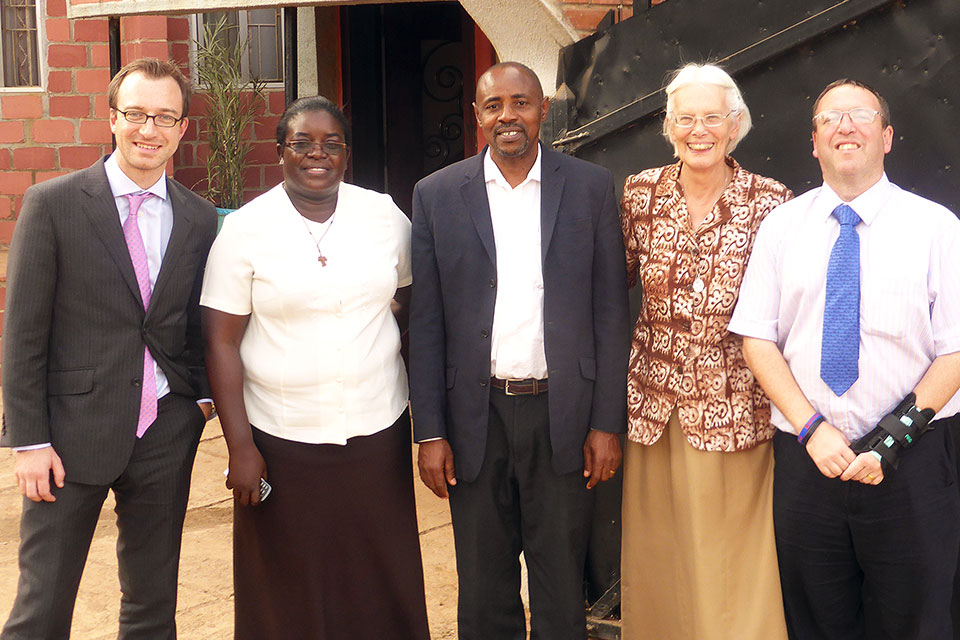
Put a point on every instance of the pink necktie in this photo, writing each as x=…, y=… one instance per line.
x=138, y=255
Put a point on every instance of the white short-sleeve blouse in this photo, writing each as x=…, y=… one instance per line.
x=321, y=353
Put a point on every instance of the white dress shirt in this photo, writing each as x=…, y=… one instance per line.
x=909, y=297
x=517, y=338
x=321, y=351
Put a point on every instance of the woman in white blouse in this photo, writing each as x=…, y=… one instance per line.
x=303, y=291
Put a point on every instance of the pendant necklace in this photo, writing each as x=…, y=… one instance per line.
x=322, y=259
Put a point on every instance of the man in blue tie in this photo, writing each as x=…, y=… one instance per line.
x=850, y=312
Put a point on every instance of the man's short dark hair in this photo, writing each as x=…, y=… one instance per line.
x=884, y=107
x=152, y=68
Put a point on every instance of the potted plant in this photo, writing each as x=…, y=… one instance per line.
x=232, y=106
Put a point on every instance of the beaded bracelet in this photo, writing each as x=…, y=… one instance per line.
x=815, y=421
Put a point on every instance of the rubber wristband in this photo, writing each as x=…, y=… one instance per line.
x=805, y=434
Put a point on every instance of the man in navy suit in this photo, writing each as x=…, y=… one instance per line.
x=519, y=344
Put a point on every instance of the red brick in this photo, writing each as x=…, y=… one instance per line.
x=278, y=102
x=58, y=30
x=47, y=175
x=92, y=30
x=60, y=81
x=193, y=178
x=101, y=106
x=272, y=175
x=185, y=155
x=11, y=132
x=92, y=80
x=252, y=178
x=56, y=8
x=4, y=159
x=95, y=131
x=78, y=157
x=6, y=233
x=263, y=153
x=193, y=127
x=265, y=129
x=584, y=19
x=3, y=293
x=178, y=28
x=144, y=28
x=626, y=12
x=14, y=183
x=607, y=2
x=35, y=158
x=54, y=131
x=17, y=205
x=149, y=49
x=6, y=211
x=179, y=51
x=69, y=106
x=29, y=106
x=67, y=55
x=202, y=151
x=100, y=55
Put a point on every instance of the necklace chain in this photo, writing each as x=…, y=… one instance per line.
x=322, y=259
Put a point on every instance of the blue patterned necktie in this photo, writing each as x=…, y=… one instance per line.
x=840, y=348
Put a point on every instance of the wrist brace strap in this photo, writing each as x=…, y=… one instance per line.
x=898, y=430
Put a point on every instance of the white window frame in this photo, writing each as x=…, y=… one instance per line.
x=196, y=31
x=40, y=8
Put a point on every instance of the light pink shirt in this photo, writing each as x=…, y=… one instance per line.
x=909, y=297
x=516, y=348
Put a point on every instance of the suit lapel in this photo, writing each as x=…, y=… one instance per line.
x=474, y=192
x=182, y=228
x=551, y=192
x=100, y=208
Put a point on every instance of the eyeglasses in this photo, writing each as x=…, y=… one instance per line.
x=162, y=120
x=858, y=115
x=304, y=147
x=687, y=121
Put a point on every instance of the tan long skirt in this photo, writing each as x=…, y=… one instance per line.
x=699, y=560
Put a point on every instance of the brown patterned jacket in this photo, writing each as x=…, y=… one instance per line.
x=682, y=356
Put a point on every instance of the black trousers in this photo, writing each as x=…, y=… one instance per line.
x=860, y=561
x=519, y=503
x=151, y=501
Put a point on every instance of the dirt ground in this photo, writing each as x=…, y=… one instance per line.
x=205, y=609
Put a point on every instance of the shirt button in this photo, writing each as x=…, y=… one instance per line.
x=493, y=283
x=483, y=333
x=483, y=384
x=135, y=382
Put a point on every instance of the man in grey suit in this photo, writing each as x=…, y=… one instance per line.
x=104, y=386
x=519, y=339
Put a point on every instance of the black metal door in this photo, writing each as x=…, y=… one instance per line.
x=782, y=53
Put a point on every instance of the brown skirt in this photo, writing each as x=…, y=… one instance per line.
x=699, y=559
x=333, y=553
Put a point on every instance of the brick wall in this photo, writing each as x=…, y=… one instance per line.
x=262, y=171
x=584, y=15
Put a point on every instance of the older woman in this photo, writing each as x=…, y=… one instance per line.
x=304, y=360
x=699, y=558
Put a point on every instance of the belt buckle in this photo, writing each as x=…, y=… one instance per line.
x=506, y=386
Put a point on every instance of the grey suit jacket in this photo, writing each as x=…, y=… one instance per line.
x=586, y=322
x=75, y=327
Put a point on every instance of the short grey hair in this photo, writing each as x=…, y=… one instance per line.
x=708, y=74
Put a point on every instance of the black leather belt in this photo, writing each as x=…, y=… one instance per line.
x=528, y=387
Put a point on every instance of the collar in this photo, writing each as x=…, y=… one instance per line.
x=867, y=204
x=121, y=184
x=492, y=173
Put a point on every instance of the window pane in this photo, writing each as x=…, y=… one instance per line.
x=18, y=23
x=232, y=24
x=263, y=29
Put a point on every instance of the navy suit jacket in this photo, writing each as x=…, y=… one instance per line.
x=585, y=308
x=75, y=327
